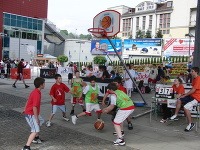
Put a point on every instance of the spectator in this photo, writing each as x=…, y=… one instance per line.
x=152, y=76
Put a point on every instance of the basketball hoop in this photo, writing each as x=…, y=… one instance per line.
x=98, y=32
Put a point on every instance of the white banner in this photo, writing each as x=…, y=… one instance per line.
x=171, y=103
x=178, y=47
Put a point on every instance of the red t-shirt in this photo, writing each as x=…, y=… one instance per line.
x=196, y=85
x=58, y=92
x=178, y=90
x=34, y=100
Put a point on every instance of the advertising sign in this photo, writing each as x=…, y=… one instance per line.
x=103, y=47
x=145, y=47
x=14, y=74
x=177, y=47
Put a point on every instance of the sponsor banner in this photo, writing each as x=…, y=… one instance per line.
x=142, y=76
x=143, y=47
x=177, y=47
x=47, y=73
x=14, y=74
x=103, y=47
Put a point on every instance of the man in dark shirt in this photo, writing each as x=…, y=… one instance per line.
x=20, y=68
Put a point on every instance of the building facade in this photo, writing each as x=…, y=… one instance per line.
x=173, y=18
x=22, y=28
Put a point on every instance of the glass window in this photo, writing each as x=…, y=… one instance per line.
x=24, y=24
x=7, y=21
x=34, y=20
x=24, y=18
x=17, y=34
x=13, y=16
x=7, y=15
x=34, y=36
x=30, y=25
x=13, y=22
x=12, y=33
x=34, y=26
x=30, y=20
x=23, y=35
x=39, y=27
x=19, y=23
x=29, y=35
x=19, y=18
x=40, y=21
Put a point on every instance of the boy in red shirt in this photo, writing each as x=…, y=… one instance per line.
x=32, y=112
x=57, y=94
x=118, y=82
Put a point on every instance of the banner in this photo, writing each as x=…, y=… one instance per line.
x=103, y=47
x=143, y=47
x=14, y=74
x=177, y=47
x=47, y=73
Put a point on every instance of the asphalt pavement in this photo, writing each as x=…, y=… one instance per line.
x=63, y=135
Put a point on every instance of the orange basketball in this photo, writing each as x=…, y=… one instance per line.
x=99, y=125
x=106, y=22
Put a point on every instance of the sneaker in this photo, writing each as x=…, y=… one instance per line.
x=72, y=112
x=26, y=86
x=74, y=119
x=120, y=142
x=14, y=86
x=65, y=118
x=163, y=121
x=174, y=117
x=115, y=133
x=37, y=141
x=189, y=127
x=130, y=126
x=26, y=148
x=48, y=123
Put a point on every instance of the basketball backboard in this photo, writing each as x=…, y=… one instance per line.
x=109, y=20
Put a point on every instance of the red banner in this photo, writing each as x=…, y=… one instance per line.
x=14, y=74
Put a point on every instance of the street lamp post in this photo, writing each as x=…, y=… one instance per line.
x=79, y=56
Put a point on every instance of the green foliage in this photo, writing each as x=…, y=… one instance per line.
x=99, y=59
x=159, y=34
x=148, y=34
x=130, y=37
x=139, y=34
x=62, y=58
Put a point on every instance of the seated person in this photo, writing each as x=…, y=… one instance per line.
x=194, y=96
x=178, y=91
x=89, y=71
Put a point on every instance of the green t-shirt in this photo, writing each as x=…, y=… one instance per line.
x=92, y=95
x=123, y=100
x=77, y=87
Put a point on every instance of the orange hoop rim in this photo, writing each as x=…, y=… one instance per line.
x=100, y=31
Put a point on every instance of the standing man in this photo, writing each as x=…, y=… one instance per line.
x=20, y=68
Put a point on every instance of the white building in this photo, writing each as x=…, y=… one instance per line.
x=174, y=18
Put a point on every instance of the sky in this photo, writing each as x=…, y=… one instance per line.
x=76, y=16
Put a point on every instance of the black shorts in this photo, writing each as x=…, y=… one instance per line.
x=70, y=76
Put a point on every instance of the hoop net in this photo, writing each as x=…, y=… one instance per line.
x=98, y=32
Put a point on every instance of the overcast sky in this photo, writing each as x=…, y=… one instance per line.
x=76, y=16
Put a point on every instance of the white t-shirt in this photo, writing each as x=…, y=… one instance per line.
x=88, y=73
x=153, y=73
x=129, y=83
x=113, y=99
x=86, y=89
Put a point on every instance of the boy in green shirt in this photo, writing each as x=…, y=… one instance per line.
x=91, y=93
x=126, y=107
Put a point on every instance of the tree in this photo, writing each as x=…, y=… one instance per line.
x=159, y=34
x=130, y=36
x=139, y=34
x=148, y=34
x=62, y=59
x=99, y=59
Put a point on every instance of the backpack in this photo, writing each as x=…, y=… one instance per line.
x=147, y=89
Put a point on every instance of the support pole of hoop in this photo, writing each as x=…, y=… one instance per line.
x=126, y=69
x=99, y=32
